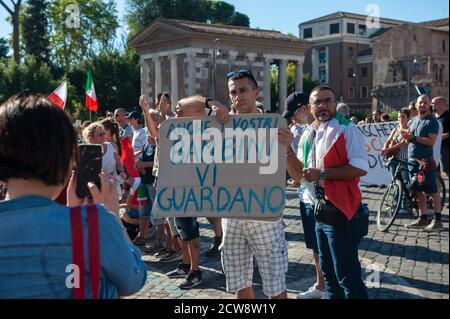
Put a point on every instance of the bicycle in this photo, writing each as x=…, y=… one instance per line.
x=393, y=196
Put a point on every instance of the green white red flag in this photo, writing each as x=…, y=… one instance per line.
x=91, y=98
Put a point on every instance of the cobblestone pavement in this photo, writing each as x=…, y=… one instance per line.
x=400, y=263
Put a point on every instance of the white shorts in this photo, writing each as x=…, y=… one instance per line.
x=243, y=239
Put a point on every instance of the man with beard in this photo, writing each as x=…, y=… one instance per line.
x=421, y=137
x=334, y=158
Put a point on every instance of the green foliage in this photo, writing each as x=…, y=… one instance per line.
x=240, y=19
x=308, y=83
x=30, y=75
x=4, y=48
x=142, y=12
x=116, y=79
x=393, y=116
x=34, y=29
x=96, y=32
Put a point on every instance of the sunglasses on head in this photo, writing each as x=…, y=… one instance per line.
x=241, y=74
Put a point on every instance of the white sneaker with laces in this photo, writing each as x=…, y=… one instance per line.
x=313, y=293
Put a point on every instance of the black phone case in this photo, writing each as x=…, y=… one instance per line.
x=89, y=167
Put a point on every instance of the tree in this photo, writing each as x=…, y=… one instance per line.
x=14, y=13
x=308, y=83
x=240, y=19
x=142, y=12
x=29, y=75
x=4, y=48
x=73, y=42
x=224, y=13
x=35, y=31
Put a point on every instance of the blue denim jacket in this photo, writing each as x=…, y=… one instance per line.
x=36, y=248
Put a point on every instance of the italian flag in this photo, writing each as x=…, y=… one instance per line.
x=91, y=98
x=59, y=96
x=331, y=151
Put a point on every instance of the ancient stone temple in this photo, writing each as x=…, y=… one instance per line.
x=186, y=58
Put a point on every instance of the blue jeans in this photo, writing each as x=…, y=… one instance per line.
x=309, y=225
x=338, y=258
x=406, y=178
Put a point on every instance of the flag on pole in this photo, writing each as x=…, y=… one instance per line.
x=59, y=96
x=91, y=98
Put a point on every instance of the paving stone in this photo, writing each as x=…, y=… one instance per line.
x=413, y=264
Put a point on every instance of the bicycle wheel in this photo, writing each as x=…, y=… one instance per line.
x=390, y=204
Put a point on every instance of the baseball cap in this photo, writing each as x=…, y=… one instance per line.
x=133, y=115
x=293, y=102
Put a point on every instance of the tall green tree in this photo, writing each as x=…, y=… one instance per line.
x=224, y=13
x=79, y=29
x=4, y=48
x=30, y=75
x=308, y=84
x=142, y=12
x=14, y=12
x=35, y=29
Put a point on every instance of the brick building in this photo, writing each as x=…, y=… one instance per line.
x=410, y=55
x=341, y=55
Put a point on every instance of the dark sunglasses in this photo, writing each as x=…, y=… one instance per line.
x=241, y=74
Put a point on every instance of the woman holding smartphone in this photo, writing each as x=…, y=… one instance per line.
x=38, y=150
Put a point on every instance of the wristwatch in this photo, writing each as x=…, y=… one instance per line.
x=322, y=174
x=207, y=105
x=414, y=139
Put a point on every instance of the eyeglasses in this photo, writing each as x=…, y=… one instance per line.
x=241, y=74
x=324, y=101
x=101, y=134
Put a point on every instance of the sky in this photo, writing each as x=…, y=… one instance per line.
x=285, y=15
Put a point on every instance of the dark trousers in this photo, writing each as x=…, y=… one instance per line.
x=338, y=257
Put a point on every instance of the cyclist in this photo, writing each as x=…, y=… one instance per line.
x=397, y=147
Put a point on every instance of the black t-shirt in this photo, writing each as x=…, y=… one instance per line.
x=148, y=155
x=444, y=120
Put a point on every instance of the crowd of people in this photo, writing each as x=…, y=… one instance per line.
x=325, y=157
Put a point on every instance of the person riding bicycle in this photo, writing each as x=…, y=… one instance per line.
x=396, y=147
x=421, y=137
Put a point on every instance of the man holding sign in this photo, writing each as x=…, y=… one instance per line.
x=244, y=238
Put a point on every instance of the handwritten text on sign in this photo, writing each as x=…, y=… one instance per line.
x=375, y=135
x=236, y=169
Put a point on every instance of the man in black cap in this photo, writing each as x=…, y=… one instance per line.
x=293, y=104
x=298, y=110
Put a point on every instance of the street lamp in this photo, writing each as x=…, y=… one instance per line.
x=416, y=61
x=216, y=53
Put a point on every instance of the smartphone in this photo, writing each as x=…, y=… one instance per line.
x=89, y=167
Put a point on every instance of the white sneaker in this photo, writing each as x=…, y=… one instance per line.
x=313, y=293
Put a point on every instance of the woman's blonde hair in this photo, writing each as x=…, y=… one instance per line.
x=90, y=130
